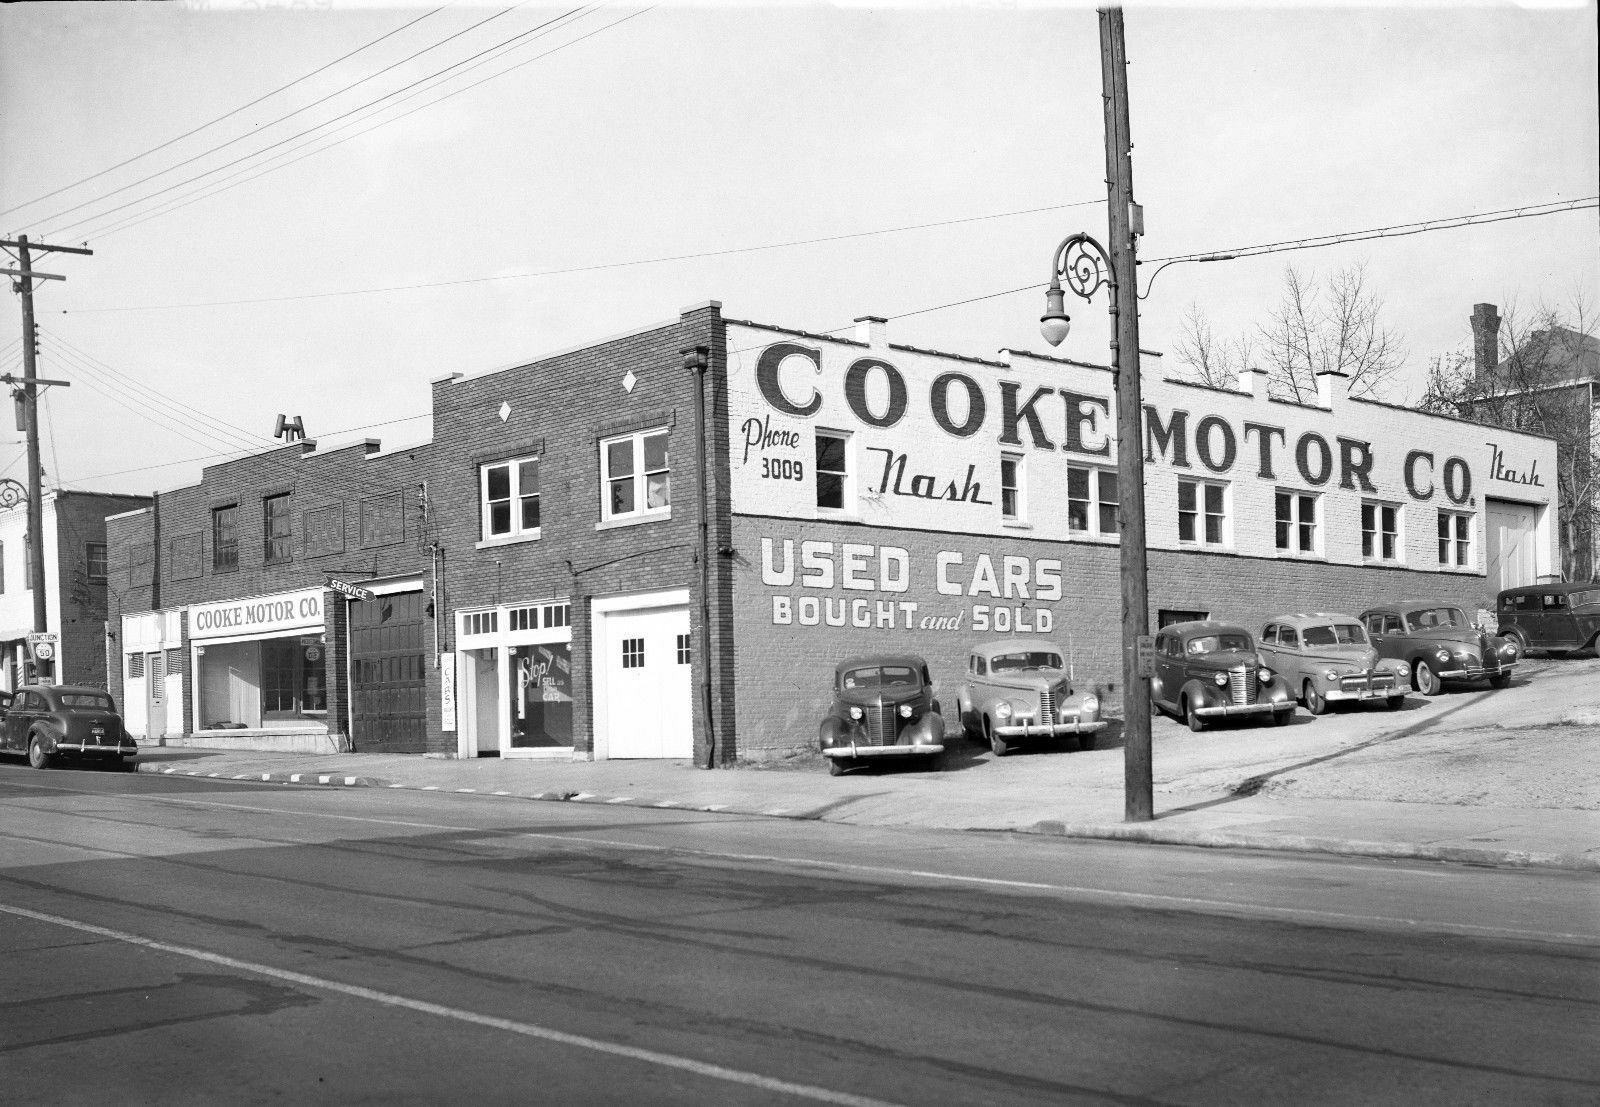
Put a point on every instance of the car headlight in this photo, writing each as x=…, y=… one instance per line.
x=1442, y=656
x=1221, y=679
x=1265, y=675
x=855, y=713
x=1003, y=710
x=1509, y=651
x=1332, y=674
x=905, y=711
x=1089, y=706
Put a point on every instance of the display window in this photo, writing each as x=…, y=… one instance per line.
x=540, y=695
x=261, y=684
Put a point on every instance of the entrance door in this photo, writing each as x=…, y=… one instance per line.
x=388, y=673
x=155, y=694
x=1510, y=532
x=648, y=689
x=483, y=667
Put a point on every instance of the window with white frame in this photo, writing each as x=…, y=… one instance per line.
x=635, y=475
x=1013, y=506
x=1455, y=539
x=834, y=490
x=1091, y=501
x=1298, y=528
x=1380, y=531
x=509, y=498
x=1203, y=512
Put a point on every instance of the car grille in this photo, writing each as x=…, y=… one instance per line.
x=881, y=730
x=1242, y=685
x=1363, y=681
x=1047, y=706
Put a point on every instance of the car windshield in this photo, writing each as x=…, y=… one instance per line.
x=90, y=700
x=1336, y=634
x=1426, y=618
x=1033, y=659
x=1216, y=643
x=882, y=676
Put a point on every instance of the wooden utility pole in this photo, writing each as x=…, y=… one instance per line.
x=25, y=276
x=1126, y=221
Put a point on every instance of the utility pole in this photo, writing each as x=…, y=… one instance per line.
x=1126, y=223
x=25, y=276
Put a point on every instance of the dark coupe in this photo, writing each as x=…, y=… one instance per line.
x=1209, y=670
x=47, y=721
x=1438, y=643
x=883, y=707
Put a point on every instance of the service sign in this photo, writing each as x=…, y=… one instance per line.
x=261, y=615
x=350, y=591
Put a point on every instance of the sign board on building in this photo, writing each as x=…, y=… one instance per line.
x=447, y=691
x=257, y=615
x=353, y=591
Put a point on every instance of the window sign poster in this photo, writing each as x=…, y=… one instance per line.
x=540, y=695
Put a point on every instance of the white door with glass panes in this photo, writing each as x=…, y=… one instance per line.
x=648, y=688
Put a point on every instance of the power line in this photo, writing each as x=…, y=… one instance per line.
x=604, y=265
x=273, y=146
x=221, y=118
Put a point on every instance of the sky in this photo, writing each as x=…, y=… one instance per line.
x=802, y=164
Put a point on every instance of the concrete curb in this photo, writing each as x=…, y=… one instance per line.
x=326, y=779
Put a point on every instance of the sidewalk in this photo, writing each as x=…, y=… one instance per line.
x=1065, y=794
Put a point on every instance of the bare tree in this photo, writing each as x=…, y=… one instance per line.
x=1334, y=324
x=1544, y=379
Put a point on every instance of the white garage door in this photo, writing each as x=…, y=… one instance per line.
x=1509, y=532
x=647, y=683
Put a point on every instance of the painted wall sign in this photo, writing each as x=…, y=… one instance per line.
x=447, y=691
x=257, y=615
x=1524, y=471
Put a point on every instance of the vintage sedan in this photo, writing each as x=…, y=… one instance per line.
x=50, y=721
x=883, y=707
x=1438, y=642
x=1017, y=689
x=1555, y=618
x=1327, y=659
x=1206, y=671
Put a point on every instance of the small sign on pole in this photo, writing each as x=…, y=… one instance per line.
x=1145, y=655
x=353, y=591
x=42, y=646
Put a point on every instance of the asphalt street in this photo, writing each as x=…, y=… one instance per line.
x=180, y=940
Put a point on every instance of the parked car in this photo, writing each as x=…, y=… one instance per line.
x=48, y=721
x=1328, y=659
x=1438, y=643
x=1018, y=689
x=1556, y=618
x=883, y=707
x=1209, y=670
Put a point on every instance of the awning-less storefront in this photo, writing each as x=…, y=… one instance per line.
x=260, y=664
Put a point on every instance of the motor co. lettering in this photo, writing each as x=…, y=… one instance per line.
x=1020, y=584
x=245, y=616
x=1059, y=419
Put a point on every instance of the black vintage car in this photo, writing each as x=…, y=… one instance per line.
x=883, y=707
x=1206, y=671
x=49, y=721
x=1555, y=618
x=1438, y=643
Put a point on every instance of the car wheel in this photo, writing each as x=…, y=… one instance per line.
x=1315, y=703
x=1192, y=717
x=37, y=756
x=996, y=743
x=835, y=767
x=1423, y=676
x=1500, y=681
x=1396, y=702
x=1520, y=639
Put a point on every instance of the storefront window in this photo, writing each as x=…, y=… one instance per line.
x=540, y=695
x=271, y=682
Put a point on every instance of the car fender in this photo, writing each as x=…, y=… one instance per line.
x=928, y=730
x=1202, y=693
x=1278, y=690
x=830, y=731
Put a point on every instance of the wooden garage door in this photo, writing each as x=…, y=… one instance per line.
x=388, y=673
x=647, y=683
x=1509, y=532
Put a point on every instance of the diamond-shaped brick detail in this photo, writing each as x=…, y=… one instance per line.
x=628, y=381
x=505, y=411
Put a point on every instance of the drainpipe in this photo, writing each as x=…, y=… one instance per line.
x=155, y=558
x=696, y=359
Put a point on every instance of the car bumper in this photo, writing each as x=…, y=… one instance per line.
x=1477, y=672
x=101, y=749
x=1346, y=695
x=1049, y=730
x=850, y=751
x=1231, y=709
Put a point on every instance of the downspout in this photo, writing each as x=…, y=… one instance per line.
x=155, y=553
x=696, y=359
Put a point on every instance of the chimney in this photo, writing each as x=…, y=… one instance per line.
x=872, y=330
x=1485, y=339
x=1253, y=382
x=1331, y=385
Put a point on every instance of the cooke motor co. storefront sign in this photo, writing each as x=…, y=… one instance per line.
x=258, y=615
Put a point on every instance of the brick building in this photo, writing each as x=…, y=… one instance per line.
x=74, y=580
x=659, y=545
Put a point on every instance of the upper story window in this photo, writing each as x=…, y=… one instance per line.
x=275, y=529
x=225, y=538
x=509, y=496
x=635, y=475
x=1091, y=501
x=834, y=488
x=1298, y=530
x=94, y=554
x=1380, y=532
x=1203, y=512
x=1012, y=504
x=1455, y=539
